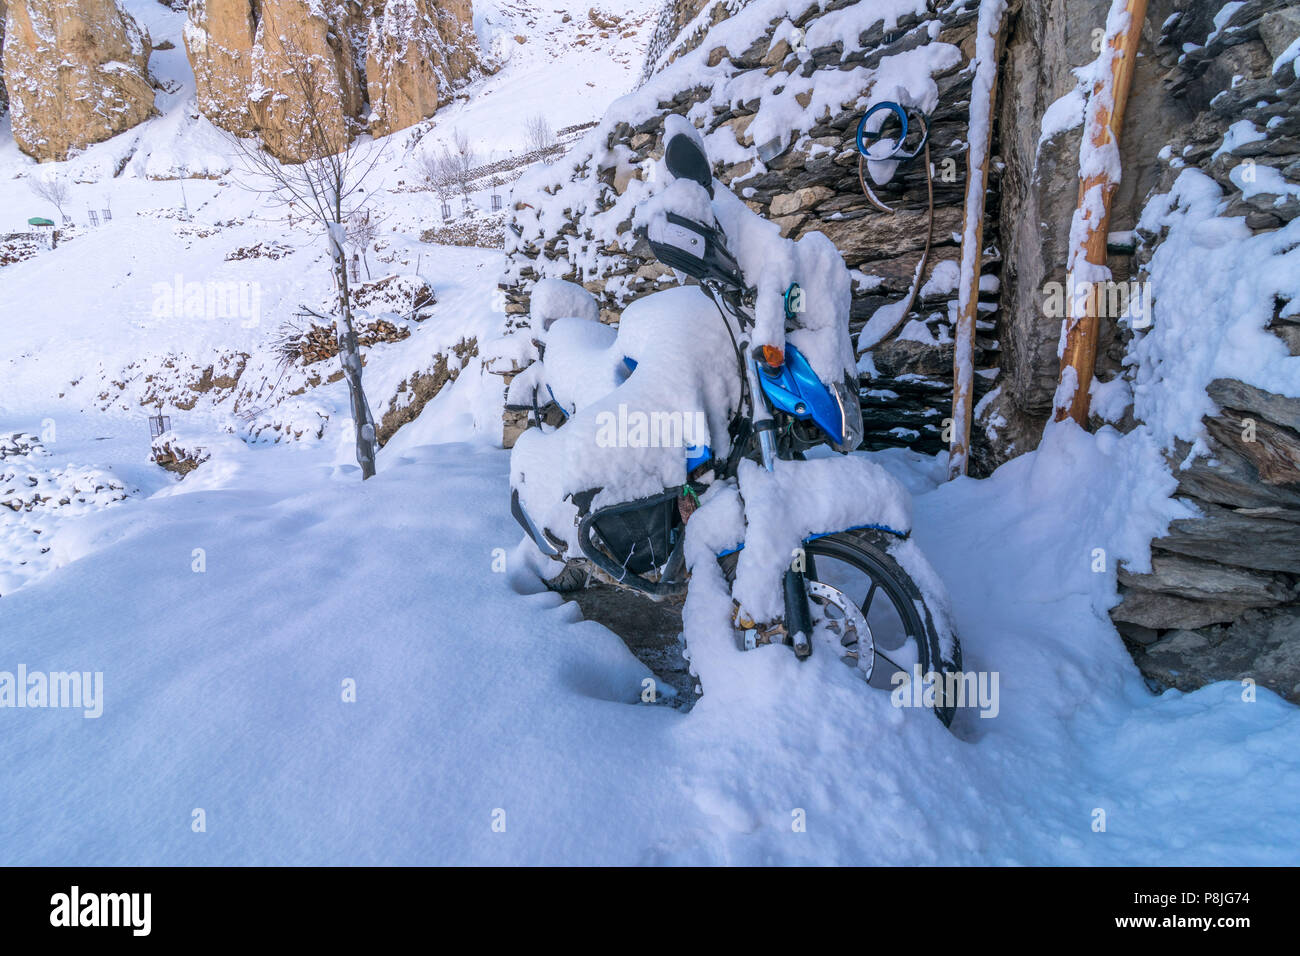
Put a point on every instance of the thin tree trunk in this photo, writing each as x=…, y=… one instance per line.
x=1099, y=172
x=988, y=51
x=350, y=356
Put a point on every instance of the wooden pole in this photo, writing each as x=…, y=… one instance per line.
x=984, y=94
x=1099, y=178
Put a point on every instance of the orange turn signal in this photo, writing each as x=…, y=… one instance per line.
x=773, y=356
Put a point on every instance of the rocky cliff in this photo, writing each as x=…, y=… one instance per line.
x=76, y=73
x=417, y=53
x=4, y=93
x=219, y=40
x=261, y=67
x=305, y=78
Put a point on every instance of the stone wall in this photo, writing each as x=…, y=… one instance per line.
x=1223, y=598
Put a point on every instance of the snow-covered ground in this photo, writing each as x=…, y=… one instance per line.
x=234, y=613
x=224, y=692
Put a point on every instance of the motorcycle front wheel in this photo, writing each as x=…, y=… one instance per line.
x=862, y=598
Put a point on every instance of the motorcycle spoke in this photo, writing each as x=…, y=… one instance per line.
x=892, y=663
x=871, y=595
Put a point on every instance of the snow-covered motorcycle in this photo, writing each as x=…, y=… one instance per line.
x=710, y=408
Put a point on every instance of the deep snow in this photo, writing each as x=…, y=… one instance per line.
x=223, y=691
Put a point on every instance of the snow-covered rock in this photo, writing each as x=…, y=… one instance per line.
x=418, y=53
x=76, y=71
x=263, y=67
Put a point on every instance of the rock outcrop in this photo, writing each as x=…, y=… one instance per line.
x=417, y=52
x=307, y=91
x=284, y=69
x=76, y=72
x=265, y=67
x=219, y=40
x=4, y=94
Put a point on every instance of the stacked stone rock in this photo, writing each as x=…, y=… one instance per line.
x=909, y=394
x=1223, y=598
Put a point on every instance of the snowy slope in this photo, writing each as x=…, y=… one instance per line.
x=96, y=332
x=185, y=210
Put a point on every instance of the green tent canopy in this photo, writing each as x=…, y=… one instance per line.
x=38, y=221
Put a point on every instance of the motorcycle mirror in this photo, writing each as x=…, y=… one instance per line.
x=685, y=160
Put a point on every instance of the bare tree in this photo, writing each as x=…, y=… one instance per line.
x=463, y=160
x=439, y=171
x=537, y=133
x=53, y=189
x=363, y=229
x=325, y=187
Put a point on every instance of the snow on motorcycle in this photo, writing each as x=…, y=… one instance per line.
x=711, y=435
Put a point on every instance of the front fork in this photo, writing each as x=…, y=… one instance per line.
x=761, y=416
x=798, y=615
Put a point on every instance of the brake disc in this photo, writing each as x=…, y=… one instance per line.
x=850, y=627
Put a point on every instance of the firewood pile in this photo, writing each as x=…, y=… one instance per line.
x=168, y=452
x=317, y=343
x=406, y=295
x=268, y=250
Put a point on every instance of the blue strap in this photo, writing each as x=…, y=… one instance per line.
x=864, y=135
x=562, y=409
